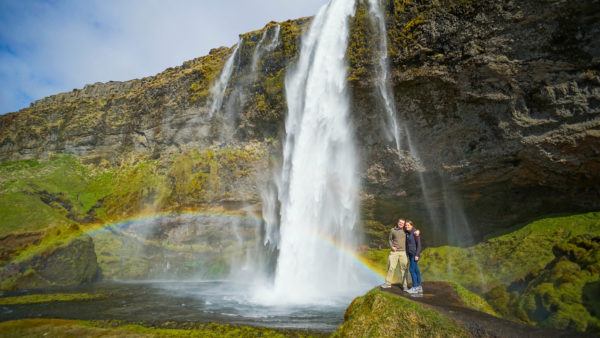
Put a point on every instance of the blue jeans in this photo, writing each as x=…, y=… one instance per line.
x=415, y=274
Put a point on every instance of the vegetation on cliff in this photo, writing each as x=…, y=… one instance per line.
x=47, y=208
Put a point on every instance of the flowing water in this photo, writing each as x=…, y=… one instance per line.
x=320, y=181
x=446, y=216
x=218, y=89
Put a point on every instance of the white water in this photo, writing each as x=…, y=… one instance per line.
x=260, y=48
x=453, y=221
x=218, y=89
x=320, y=182
x=383, y=83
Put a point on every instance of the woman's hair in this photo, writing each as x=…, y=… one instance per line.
x=409, y=222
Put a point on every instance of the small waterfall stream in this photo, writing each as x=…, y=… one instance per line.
x=453, y=221
x=218, y=89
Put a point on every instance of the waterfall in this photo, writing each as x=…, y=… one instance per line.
x=259, y=50
x=217, y=91
x=454, y=219
x=274, y=40
x=320, y=181
x=383, y=84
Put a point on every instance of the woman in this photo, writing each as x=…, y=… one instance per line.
x=413, y=249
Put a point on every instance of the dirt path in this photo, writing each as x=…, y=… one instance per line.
x=442, y=297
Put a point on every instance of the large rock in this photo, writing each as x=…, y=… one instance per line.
x=72, y=264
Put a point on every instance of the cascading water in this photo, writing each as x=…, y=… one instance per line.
x=217, y=91
x=453, y=221
x=320, y=182
x=260, y=48
x=383, y=85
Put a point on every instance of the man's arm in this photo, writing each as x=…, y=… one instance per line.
x=418, y=240
x=391, y=239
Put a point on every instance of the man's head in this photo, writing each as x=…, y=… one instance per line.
x=409, y=225
x=401, y=223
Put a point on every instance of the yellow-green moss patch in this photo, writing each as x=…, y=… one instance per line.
x=48, y=298
x=381, y=314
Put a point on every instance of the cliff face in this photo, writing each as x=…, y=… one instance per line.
x=161, y=114
x=498, y=101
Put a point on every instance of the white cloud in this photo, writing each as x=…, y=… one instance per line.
x=51, y=46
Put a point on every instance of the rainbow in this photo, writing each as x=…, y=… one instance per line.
x=361, y=262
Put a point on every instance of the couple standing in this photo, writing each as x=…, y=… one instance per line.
x=405, y=243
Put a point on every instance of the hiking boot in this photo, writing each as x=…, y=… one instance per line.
x=385, y=286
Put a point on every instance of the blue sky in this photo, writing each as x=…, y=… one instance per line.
x=52, y=46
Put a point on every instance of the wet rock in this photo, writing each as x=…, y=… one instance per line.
x=69, y=265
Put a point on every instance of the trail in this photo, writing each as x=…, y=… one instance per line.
x=442, y=297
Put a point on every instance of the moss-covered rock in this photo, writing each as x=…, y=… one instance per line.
x=558, y=296
x=381, y=314
x=70, y=264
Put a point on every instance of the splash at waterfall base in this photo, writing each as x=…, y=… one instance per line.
x=198, y=265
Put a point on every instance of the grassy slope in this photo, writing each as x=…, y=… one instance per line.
x=37, y=194
x=80, y=328
x=381, y=314
x=509, y=257
x=553, y=285
x=500, y=260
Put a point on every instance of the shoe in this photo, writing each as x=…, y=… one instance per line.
x=411, y=290
x=419, y=289
x=385, y=286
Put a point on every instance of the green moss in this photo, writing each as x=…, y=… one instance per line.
x=135, y=186
x=362, y=45
x=48, y=298
x=551, y=295
x=504, y=259
x=381, y=314
x=213, y=174
x=473, y=300
x=60, y=190
x=208, y=70
x=80, y=328
x=554, y=296
x=290, y=33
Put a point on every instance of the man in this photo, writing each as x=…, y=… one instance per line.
x=397, y=256
x=413, y=248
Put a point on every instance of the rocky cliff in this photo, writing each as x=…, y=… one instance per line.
x=498, y=103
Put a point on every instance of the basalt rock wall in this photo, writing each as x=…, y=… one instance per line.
x=499, y=104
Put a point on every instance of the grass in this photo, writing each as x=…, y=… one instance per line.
x=491, y=266
x=38, y=194
x=473, y=300
x=504, y=259
x=80, y=328
x=47, y=298
x=381, y=314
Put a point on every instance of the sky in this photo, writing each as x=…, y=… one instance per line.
x=52, y=46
